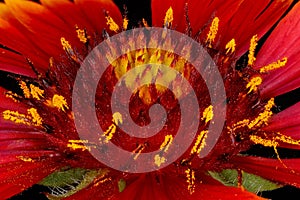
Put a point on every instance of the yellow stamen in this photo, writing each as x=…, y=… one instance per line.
x=230, y=46
x=109, y=133
x=82, y=35
x=158, y=161
x=15, y=117
x=213, y=30
x=263, y=117
x=36, y=92
x=253, y=84
x=166, y=144
x=125, y=23
x=59, y=102
x=25, y=159
x=75, y=144
x=25, y=89
x=145, y=23
x=112, y=24
x=12, y=96
x=274, y=65
x=168, y=18
x=79, y=141
x=264, y=142
x=190, y=175
x=208, y=114
x=267, y=143
x=138, y=151
x=253, y=44
x=200, y=142
x=66, y=46
x=117, y=118
x=35, y=117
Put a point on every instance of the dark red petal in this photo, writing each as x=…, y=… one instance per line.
x=283, y=42
x=273, y=169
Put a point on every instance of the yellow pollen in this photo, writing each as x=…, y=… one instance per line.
x=274, y=65
x=166, y=144
x=145, y=23
x=112, y=24
x=12, y=96
x=109, y=133
x=65, y=44
x=267, y=143
x=168, y=18
x=25, y=89
x=263, y=117
x=264, y=142
x=287, y=139
x=253, y=44
x=213, y=30
x=190, y=175
x=208, y=114
x=35, y=117
x=230, y=46
x=117, y=118
x=79, y=141
x=200, y=142
x=25, y=159
x=77, y=144
x=15, y=117
x=158, y=161
x=59, y=102
x=125, y=23
x=36, y=92
x=138, y=151
x=253, y=84
x=82, y=35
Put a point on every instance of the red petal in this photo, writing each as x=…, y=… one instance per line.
x=13, y=35
x=271, y=169
x=173, y=187
x=283, y=42
x=15, y=63
x=45, y=29
x=238, y=19
x=16, y=177
x=286, y=120
x=94, y=11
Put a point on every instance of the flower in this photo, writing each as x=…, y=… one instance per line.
x=43, y=46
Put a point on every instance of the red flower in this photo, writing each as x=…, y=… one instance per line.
x=43, y=45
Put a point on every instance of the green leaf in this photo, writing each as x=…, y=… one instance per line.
x=70, y=181
x=121, y=185
x=250, y=182
x=255, y=184
x=63, y=177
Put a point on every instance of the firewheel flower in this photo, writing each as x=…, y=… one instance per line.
x=255, y=45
